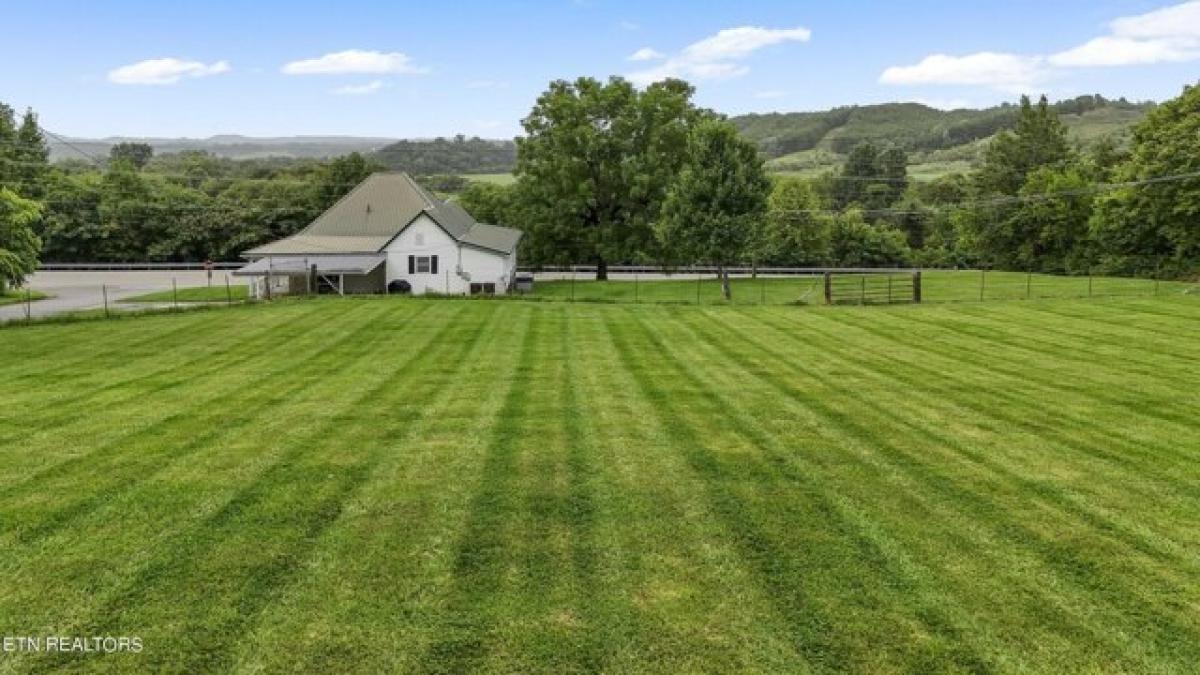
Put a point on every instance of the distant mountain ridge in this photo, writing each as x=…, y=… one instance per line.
x=940, y=140
x=232, y=146
x=913, y=126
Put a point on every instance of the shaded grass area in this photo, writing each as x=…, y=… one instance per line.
x=457, y=486
x=13, y=296
x=214, y=293
x=938, y=286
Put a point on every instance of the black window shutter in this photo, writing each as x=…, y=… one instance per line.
x=412, y=264
x=433, y=264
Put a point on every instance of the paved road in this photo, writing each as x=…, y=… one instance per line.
x=79, y=291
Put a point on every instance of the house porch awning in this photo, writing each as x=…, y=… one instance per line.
x=299, y=265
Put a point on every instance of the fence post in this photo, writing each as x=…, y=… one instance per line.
x=762, y=290
x=1089, y=281
x=1157, y=274
x=982, y=282
x=1028, y=283
x=572, y=283
x=889, y=289
x=174, y=293
x=828, y=287
x=636, y=298
x=917, y=287
x=699, y=277
x=862, y=290
x=28, y=304
x=228, y=292
x=104, y=293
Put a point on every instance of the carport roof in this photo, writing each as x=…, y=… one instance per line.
x=300, y=264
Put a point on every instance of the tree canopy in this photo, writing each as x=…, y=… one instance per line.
x=596, y=163
x=713, y=205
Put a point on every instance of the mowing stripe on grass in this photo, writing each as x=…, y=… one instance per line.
x=821, y=645
x=293, y=502
x=463, y=635
x=165, y=417
x=904, y=460
x=926, y=351
x=1054, y=554
x=142, y=455
x=232, y=348
x=83, y=412
x=387, y=560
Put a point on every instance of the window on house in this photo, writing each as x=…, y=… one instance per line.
x=422, y=264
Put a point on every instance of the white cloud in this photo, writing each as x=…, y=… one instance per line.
x=360, y=89
x=1167, y=35
x=1121, y=51
x=646, y=54
x=736, y=43
x=356, y=61
x=1179, y=21
x=164, y=71
x=716, y=57
x=1007, y=72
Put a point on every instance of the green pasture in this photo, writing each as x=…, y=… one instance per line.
x=388, y=484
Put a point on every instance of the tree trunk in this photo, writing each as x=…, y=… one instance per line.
x=725, y=291
x=601, y=269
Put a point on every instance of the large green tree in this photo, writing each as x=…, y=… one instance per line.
x=340, y=176
x=595, y=165
x=1154, y=223
x=1039, y=139
x=137, y=154
x=19, y=246
x=713, y=205
x=794, y=231
x=871, y=178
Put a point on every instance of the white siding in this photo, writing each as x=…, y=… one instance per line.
x=458, y=266
x=435, y=242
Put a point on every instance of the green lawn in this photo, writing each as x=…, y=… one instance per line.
x=380, y=484
x=12, y=296
x=214, y=293
x=497, y=178
x=937, y=286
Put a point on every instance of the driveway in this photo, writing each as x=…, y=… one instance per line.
x=79, y=291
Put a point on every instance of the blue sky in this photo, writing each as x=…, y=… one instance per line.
x=409, y=69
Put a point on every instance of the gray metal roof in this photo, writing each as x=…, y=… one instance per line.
x=301, y=264
x=378, y=209
x=493, y=237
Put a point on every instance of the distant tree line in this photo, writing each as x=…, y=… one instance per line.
x=609, y=174
x=456, y=155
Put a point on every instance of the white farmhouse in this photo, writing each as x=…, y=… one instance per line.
x=388, y=235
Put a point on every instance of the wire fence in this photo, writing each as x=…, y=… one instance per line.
x=839, y=286
x=83, y=292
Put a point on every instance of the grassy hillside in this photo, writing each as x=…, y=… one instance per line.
x=512, y=486
x=938, y=141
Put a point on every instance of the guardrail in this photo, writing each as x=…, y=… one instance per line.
x=135, y=266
